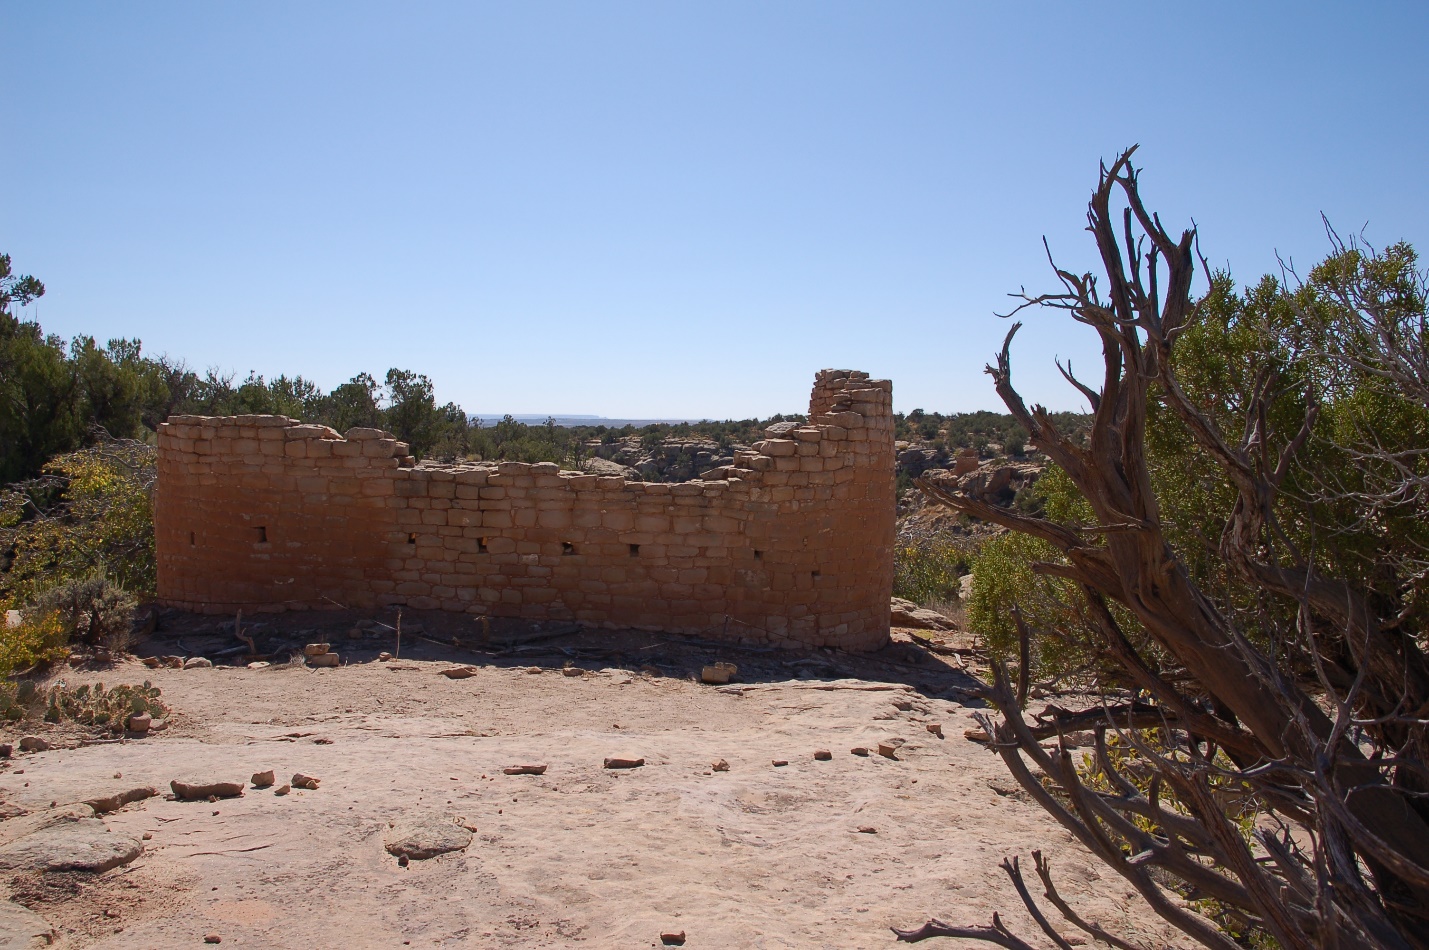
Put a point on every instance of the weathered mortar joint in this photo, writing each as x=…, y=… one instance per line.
x=790, y=545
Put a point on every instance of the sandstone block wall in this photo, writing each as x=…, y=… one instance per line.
x=790, y=545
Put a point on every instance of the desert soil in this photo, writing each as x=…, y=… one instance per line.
x=756, y=856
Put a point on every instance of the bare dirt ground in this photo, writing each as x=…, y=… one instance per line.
x=756, y=856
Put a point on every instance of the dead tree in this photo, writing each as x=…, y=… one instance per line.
x=1333, y=759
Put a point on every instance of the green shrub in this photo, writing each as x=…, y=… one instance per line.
x=37, y=639
x=929, y=572
x=93, y=609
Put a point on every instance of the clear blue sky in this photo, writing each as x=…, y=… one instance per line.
x=669, y=209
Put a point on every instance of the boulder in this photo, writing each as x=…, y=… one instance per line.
x=197, y=663
x=426, y=838
x=600, y=466
x=263, y=779
x=34, y=744
x=81, y=845
x=325, y=659
x=905, y=613
x=719, y=673
x=23, y=929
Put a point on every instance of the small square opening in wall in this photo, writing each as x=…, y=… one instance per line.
x=481, y=545
x=635, y=550
x=262, y=534
x=567, y=548
x=814, y=575
x=759, y=555
x=412, y=538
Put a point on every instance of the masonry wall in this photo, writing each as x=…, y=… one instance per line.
x=790, y=545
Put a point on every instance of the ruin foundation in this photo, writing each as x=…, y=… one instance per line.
x=791, y=545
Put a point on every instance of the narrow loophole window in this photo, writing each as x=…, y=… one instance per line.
x=412, y=538
x=193, y=539
x=262, y=535
x=481, y=545
x=567, y=548
x=635, y=550
x=759, y=555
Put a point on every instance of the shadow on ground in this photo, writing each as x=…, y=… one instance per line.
x=364, y=636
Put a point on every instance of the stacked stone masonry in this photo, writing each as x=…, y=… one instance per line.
x=791, y=545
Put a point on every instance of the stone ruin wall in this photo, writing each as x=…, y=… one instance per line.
x=791, y=545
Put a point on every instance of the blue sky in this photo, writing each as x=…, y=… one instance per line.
x=669, y=209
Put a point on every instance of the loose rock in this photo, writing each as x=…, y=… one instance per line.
x=867, y=830
x=426, y=838
x=524, y=770
x=305, y=781
x=459, y=672
x=858, y=750
x=34, y=744
x=316, y=649
x=936, y=728
x=823, y=755
x=621, y=763
x=719, y=765
x=197, y=663
x=212, y=938
x=889, y=748
x=673, y=938
x=324, y=659
x=282, y=790
x=263, y=779
x=780, y=763
x=140, y=722
x=203, y=789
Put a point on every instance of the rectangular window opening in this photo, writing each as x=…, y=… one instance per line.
x=814, y=575
x=567, y=548
x=262, y=535
x=481, y=545
x=759, y=555
x=635, y=550
x=412, y=538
